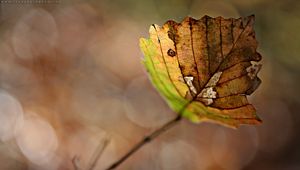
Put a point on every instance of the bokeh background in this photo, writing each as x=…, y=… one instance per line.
x=71, y=78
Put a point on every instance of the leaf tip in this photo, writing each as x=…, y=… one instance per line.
x=252, y=16
x=258, y=119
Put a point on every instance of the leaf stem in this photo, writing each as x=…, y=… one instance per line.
x=146, y=140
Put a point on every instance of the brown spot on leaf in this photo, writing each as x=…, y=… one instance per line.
x=171, y=53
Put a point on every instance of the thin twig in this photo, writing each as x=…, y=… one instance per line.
x=98, y=154
x=75, y=162
x=146, y=140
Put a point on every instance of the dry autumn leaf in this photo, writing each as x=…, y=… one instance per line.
x=204, y=68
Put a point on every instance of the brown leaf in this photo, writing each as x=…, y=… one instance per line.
x=206, y=66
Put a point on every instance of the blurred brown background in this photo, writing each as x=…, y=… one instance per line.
x=71, y=77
